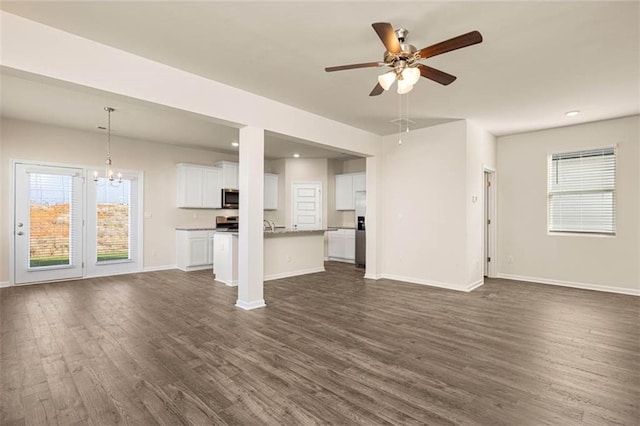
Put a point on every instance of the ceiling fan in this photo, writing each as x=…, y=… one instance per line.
x=403, y=58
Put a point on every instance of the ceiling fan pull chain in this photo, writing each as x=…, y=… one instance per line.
x=399, y=119
x=407, y=113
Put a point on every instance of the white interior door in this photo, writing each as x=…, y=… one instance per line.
x=48, y=223
x=307, y=205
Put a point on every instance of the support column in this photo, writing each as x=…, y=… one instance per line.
x=374, y=218
x=251, y=236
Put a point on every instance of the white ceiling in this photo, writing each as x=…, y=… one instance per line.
x=538, y=59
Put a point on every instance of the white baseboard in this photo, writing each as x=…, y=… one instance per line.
x=438, y=284
x=373, y=276
x=158, y=268
x=339, y=259
x=572, y=284
x=195, y=268
x=4, y=284
x=247, y=306
x=294, y=273
x=232, y=283
x=475, y=285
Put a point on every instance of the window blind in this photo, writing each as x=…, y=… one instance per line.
x=581, y=189
x=54, y=215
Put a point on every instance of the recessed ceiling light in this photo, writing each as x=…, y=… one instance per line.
x=572, y=113
x=235, y=144
x=296, y=155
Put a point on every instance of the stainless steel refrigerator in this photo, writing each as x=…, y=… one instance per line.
x=361, y=235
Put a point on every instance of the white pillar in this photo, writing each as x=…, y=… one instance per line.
x=250, y=239
x=374, y=218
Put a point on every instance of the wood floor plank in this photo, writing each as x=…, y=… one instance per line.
x=330, y=348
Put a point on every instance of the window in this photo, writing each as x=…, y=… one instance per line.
x=582, y=189
x=113, y=217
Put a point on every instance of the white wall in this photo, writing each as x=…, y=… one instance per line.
x=22, y=140
x=481, y=153
x=587, y=261
x=432, y=227
x=424, y=192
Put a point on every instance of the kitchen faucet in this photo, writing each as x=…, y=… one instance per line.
x=267, y=223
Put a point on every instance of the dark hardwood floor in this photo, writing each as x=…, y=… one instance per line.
x=170, y=348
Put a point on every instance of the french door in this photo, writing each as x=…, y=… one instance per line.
x=48, y=223
x=66, y=229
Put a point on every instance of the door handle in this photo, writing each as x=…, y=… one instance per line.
x=20, y=233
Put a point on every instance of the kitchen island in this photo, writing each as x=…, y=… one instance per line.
x=287, y=253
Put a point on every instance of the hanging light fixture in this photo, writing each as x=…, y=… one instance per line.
x=108, y=171
x=407, y=77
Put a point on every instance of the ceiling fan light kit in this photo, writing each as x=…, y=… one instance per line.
x=386, y=80
x=403, y=59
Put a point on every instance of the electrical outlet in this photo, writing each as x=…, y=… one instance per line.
x=509, y=260
x=287, y=258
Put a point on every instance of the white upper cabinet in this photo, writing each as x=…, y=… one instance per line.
x=344, y=192
x=229, y=174
x=270, y=191
x=199, y=186
x=212, y=185
x=346, y=187
x=359, y=182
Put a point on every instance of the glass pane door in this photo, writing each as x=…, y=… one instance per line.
x=113, y=218
x=112, y=226
x=48, y=223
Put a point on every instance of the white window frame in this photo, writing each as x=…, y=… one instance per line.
x=594, y=233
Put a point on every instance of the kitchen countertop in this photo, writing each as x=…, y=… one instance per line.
x=280, y=231
x=195, y=228
x=283, y=231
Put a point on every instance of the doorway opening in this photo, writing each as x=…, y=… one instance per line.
x=489, y=235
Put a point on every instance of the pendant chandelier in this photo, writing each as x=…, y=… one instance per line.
x=108, y=171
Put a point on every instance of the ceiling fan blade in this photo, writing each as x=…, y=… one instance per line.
x=354, y=66
x=436, y=75
x=388, y=36
x=464, y=40
x=376, y=90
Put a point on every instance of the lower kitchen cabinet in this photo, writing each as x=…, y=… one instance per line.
x=194, y=249
x=342, y=245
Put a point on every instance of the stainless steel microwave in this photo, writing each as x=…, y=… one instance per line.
x=230, y=198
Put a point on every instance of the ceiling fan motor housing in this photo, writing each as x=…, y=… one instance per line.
x=399, y=61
